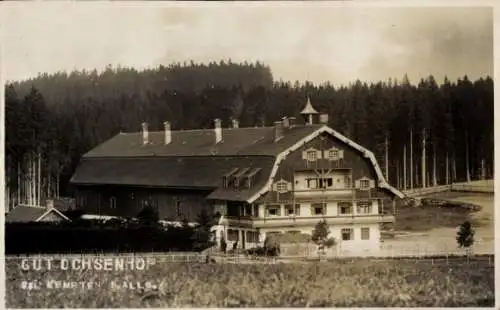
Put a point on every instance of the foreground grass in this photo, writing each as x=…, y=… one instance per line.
x=359, y=283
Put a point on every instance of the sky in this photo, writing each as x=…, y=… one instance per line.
x=319, y=42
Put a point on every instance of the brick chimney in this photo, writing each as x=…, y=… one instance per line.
x=278, y=131
x=236, y=123
x=145, y=133
x=168, y=133
x=218, y=130
x=323, y=119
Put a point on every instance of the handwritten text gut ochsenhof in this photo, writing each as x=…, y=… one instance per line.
x=83, y=264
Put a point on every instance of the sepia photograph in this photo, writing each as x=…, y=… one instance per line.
x=247, y=154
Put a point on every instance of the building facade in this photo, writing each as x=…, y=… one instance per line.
x=283, y=178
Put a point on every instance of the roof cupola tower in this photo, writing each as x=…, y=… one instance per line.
x=308, y=112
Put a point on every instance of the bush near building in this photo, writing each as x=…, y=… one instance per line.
x=143, y=234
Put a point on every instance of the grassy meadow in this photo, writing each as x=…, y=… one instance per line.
x=356, y=283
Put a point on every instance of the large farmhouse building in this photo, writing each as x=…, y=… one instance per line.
x=282, y=178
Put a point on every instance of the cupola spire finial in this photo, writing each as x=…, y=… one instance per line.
x=308, y=111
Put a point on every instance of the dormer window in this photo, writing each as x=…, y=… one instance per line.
x=226, y=179
x=235, y=182
x=238, y=176
x=250, y=177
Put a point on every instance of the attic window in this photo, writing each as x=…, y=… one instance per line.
x=364, y=184
x=250, y=177
x=282, y=186
x=333, y=154
x=311, y=155
x=237, y=177
x=235, y=182
x=227, y=177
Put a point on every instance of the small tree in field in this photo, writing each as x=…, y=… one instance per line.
x=202, y=236
x=465, y=236
x=320, y=236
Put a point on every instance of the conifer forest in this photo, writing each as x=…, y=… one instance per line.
x=420, y=131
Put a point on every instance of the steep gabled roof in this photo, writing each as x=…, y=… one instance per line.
x=325, y=129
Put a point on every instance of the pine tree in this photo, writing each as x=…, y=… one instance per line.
x=465, y=236
x=148, y=216
x=202, y=237
x=320, y=236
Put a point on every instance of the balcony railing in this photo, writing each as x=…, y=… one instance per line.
x=287, y=221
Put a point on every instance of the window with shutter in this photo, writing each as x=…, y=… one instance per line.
x=292, y=209
x=318, y=209
x=345, y=207
x=311, y=155
x=247, y=210
x=273, y=210
x=364, y=184
x=282, y=187
x=312, y=183
x=252, y=236
x=347, y=181
x=365, y=233
x=333, y=154
x=356, y=184
x=364, y=207
x=347, y=234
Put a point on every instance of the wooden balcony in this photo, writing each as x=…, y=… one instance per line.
x=324, y=192
x=291, y=221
